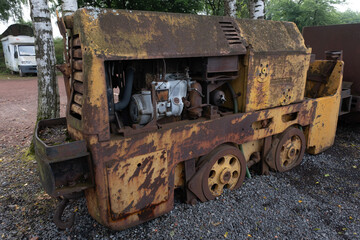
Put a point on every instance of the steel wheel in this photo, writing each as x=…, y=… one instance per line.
x=225, y=168
x=290, y=150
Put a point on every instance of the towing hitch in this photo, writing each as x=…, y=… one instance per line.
x=64, y=201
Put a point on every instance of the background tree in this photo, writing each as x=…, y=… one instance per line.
x=304, y=12
x=349, y=17
x=48, y=92
x=11, y=9
x=216, y=7
x=230, y=8
x=257, y=9
x=179, y=6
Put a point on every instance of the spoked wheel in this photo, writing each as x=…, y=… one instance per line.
x=290, y=150
x=225, y=168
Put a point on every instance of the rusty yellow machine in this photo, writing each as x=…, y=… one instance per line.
x=159, y=101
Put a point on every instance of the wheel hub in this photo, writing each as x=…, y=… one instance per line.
x=290, y=150
x=225, y=176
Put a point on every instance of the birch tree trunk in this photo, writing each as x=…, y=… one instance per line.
x=230, y=8
x=68, y=7
x=48, y=91
x=257, y=9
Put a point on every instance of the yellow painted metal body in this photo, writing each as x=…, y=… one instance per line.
x=135, y=175
x=322, y=131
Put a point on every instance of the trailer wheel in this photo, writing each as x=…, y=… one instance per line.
x=225, y=168
x=290, y=149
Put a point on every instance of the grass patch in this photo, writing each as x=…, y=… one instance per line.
x=27, y=156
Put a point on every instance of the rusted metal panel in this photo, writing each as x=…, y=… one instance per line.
x=78, y=98
x=223, y=64
x=76, y=42
x=251, y=147
x=276, y=79
x=78, y=76
x=183, y=141
x=64, y=167
x=77, y=64
x=271, y=36
x=344, y=38
x=123, y=34
x=79, y=87
x=323, y=128
x=136, y=183
x=77, y=53
x=179, y=178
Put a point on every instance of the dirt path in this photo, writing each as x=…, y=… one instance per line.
x=18, y=106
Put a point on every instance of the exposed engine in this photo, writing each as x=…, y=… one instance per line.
x=153, y=92
x=169, y=95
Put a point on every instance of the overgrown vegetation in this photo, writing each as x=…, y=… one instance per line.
x=310, y=12
x=59, y=50
x=3, y=69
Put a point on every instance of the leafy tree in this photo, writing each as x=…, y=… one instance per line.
x=180, y=6
x=349, y=17
x=59, y=50
x=216, y=7
x=11, y=9
x=304, y=12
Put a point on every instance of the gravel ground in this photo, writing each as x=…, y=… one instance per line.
x=317, y=200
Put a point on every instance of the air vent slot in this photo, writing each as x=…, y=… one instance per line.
x=77, y=78
x=231, y=35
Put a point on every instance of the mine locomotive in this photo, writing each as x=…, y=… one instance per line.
x=160, y=101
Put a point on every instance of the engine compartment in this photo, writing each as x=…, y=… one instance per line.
x=159, y=91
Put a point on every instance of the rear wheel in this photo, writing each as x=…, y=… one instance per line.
x=225, y=169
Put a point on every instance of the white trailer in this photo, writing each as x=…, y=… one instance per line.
x=19, y=53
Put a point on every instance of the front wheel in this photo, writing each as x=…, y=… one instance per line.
x=226, y=167
x=21, y=73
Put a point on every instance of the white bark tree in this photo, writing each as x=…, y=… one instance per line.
x=48, y=91
x=68, y=7
x=230, y=8
x=257, y=9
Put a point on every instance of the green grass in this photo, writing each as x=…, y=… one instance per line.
x=3, y=69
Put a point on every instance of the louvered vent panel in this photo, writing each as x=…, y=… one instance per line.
x=231, y=35
x=77, y=79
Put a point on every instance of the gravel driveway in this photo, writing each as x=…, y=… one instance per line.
x=320, y=199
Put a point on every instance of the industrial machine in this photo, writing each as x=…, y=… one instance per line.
x=159, y=101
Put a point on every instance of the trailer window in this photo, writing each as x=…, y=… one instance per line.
x=27, y=50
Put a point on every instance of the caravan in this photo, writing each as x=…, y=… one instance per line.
x=19, y=53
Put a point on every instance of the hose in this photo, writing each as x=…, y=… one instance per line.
x=125, y=99
x=248, y=175
x=233, y=95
